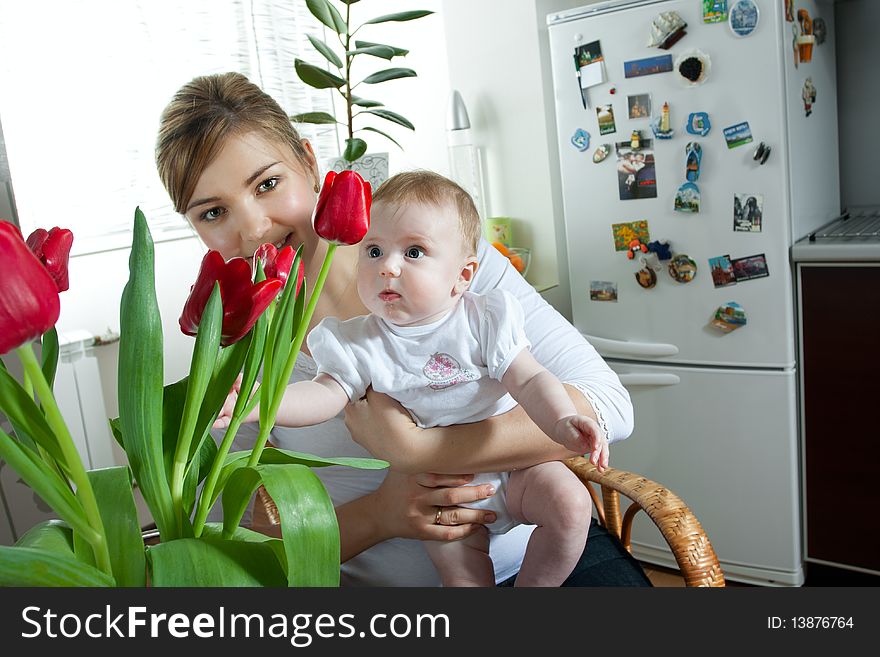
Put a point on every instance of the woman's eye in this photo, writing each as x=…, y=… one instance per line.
x=268, y=185
x=374, y=252
x=414, y=252
x=212, y=215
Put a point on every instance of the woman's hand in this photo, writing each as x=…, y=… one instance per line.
x=426, y=506
x=382, y=426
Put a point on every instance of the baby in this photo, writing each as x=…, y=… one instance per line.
x=449, y=357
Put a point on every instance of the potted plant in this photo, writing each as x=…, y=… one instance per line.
x=243, y=321
x=344, y=82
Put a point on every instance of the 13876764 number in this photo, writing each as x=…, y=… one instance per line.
x=821, y=622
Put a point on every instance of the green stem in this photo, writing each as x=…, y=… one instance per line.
x=214, y=474
x=84, y=490
x=281, y=383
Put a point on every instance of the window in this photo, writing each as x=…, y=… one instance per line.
x=83, y=85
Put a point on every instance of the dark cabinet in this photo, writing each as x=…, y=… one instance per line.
x=840, y=397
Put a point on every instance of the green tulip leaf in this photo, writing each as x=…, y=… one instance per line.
x=321, y=10
x=308, y=524
x=51, y=535
x=389, y=74
x=354, y=148
x=237, y=494
x=363, y=102
x=49, y=354
x=26, y=417
x=400, y=16
x=384, y=52
x=30, y=566
x=140, y=379
x=317, y=77
x=318, y=118
x=325, y=50
x=213, y=562
x=387, y=136
x=398, y=52
x=394, y=117
x=113, y=492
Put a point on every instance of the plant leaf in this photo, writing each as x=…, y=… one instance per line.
x=388, y=137
x=140, y=379
x=308, y=524
x=49, y=355
x=385, y=52
x=29, y=566
x=363, y=102
x=26, y=417
x=400, y=16
x=394, y=117
x=237, y=494
x=215, y=562
x=113, y=492
x=325, y=50
x=321, y=10
x=318, y=118
x=389, y=74
x=339, y=23
x=350, y=2
x=317, y=77
x=52, y=535
x=354, y=148
x=398, y=52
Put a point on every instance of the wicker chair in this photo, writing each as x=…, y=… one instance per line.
x=689, y=544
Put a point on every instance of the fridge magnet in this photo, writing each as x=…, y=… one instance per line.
x=636, y=176
x=808, y=93
x=682, y=268
x=693, y=67
x=722, y=271
x=635, y=140
x=661, y=249
x=639, y=106
x=743, y=17
x=687, y=198
x=581, y=139
x=661, y=125
x=603, y=291
x=601, y=152
x=762, y=152
x=635, y=246
x=745, y=269
x=636, y=68
x=789, y=10
x=729, y=317
x=806, y=39
x=714, y=11
x=820, y=31
x=646, y=277
x=589, y=61
x=748, y=210
x=794, y=42
x=737, y=135
x=698, y=124
x=666, y=29
x=624, y=233
x=694, y=153
x=605, y=115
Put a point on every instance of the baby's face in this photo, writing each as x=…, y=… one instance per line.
x=412, y=265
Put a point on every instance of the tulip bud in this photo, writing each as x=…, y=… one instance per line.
x=342, y=214
x=52, y=248
x=29, y=303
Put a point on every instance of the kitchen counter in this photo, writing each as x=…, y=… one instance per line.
x=852, y=237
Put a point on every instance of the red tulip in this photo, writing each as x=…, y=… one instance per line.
x=243, y=300
x=28, y=296
x=342, y=214
x=52, y=248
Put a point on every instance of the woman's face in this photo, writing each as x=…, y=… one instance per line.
x=253, y=192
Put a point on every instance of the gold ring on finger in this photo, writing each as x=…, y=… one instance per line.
x=437, y=515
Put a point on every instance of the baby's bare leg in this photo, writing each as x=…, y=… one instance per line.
x=464, y=562
x=550, y=496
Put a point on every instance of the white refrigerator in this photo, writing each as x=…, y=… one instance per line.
x=716, y=416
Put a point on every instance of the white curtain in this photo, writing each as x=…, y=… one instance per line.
x=82, y=85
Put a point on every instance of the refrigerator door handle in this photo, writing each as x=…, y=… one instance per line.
x=649, y=379
x=606, y=346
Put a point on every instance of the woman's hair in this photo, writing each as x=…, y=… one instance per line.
x=433, y=189
x=202, y=115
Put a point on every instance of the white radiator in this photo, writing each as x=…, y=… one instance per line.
x=81, y=401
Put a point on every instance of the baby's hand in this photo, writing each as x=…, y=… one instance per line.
x=582, y=434
x=225, y=416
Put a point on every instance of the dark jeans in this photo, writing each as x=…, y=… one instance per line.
x=605, y=562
